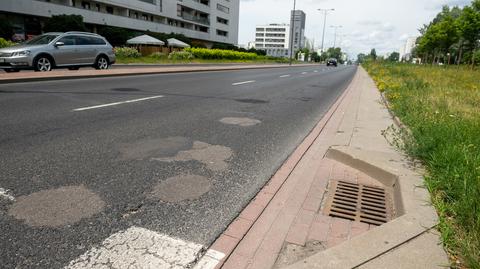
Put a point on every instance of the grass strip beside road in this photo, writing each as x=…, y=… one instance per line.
x=165, y=60
x=441, y=107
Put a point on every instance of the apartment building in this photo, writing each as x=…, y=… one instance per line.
x=298, y=20
x=203, y=20
x=274, y=39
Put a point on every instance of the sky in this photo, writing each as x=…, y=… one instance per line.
x=381, y=24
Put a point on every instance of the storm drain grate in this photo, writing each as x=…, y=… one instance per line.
x=357, y=202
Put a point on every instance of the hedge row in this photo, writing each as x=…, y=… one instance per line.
x=208, y=54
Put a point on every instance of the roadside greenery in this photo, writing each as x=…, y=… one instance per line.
x=452, y=37
x=127, y=52
x=6, y=43
x=180, y=56
x=441, y=108
x=209, y=54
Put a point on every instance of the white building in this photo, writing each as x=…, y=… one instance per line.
x=274, y=39
x=407, y=49
x=203, y=20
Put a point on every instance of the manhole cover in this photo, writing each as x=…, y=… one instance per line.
x=357, y=202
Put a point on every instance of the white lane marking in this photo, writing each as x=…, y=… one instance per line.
x=244, y=82
x=118, y=103
x=6, y=194
x=316, y=71
x=285, y=76
x=140, y=248
x=211, y=259
x=303, y=73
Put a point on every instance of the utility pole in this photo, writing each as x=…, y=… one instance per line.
x=325, y=13
x=336, y=27
x=292, y=25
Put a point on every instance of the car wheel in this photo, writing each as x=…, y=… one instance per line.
x=73, y=68
x=12, y=70
x=101, y=63
x=43, y=64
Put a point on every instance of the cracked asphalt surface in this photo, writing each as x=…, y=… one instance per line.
x=126, y=156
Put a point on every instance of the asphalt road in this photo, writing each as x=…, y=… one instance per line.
x=182, y=158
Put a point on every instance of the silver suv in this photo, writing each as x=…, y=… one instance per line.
x=57, y=50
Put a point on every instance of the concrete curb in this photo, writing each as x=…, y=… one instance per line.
x=190, y=69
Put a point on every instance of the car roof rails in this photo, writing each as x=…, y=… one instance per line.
x=83, y=33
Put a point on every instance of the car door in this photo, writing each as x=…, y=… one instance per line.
x=86, y=49
x=66, y=54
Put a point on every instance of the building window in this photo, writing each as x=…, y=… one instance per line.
x=110, y=10
x=85, y=5
x=222, y=33
x=222, y=20
x=223, y=8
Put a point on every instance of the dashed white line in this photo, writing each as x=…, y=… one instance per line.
x=5, y=194
x=285, y=76
x=316, y=71
x=243, y=82
x=303, y=73
x=118, y=103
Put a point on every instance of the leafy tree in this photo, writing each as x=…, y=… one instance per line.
x=115, y=35
x=64, y=23
x=6, y=29
x=394, y=57
x=469, y=28
x=361, y=58
x=373, y=54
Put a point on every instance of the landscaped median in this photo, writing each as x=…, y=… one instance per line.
x=126, y=55
x=440, y=106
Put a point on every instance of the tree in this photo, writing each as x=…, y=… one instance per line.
x=469, y=29
x=65, y=23
x=6, y=30
x=373, y=54
x=115, y=35
x=394, y=57
x=361, y=58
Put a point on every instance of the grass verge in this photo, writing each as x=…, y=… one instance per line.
x=165, y=60
x=441, y=107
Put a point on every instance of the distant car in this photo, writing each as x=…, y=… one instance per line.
x=332, y=62
x=70, y=50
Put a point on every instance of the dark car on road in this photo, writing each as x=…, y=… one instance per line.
x=332, y=62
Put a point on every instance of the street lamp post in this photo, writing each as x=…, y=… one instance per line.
x=325, y=12
x=292, y=30
x=336, y=27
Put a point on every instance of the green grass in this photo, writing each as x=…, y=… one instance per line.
x=441, y=107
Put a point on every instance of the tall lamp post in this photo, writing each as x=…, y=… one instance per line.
x=325, y=13
x=336, y=27
x=292, y=25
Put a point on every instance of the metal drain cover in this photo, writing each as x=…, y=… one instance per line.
x=357, y=202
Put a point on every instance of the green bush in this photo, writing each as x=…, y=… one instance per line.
x=5, y=43
x=126, y=52
x=218, y=54
x=180, y=56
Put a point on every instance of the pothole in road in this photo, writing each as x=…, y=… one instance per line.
x=213, y=156
x=181, y=188
x=125, y=89
x=251, y=101
x=244, y=122
x=57, y=207
x=160, y=147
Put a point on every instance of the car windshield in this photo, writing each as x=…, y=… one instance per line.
x=41, y=40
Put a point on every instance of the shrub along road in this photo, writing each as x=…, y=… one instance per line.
x=158, y=164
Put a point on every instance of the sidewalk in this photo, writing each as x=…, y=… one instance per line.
x=127, y=71
x=347, y=155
